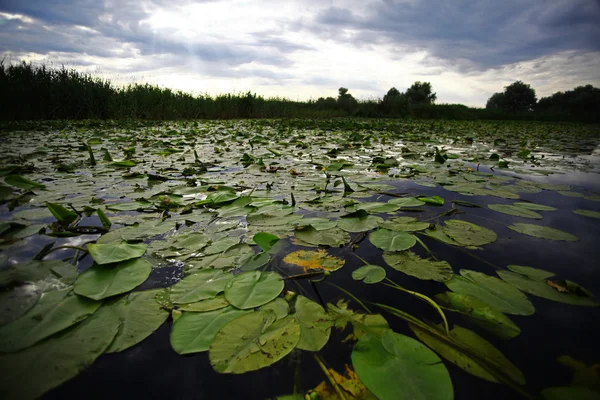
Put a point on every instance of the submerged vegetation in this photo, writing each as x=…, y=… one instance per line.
x=399, y=244
x=37, y=92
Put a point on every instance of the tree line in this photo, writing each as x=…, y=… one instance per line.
x=36, y=92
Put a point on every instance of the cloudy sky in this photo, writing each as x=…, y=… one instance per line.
x=307, y=49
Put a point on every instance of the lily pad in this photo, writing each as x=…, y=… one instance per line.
x=541, y=289
x=480, y=314
x=588, y=213
x=314, y=260
x=534, y=206
x=405, y=224
x=532, y=273
x=116, y=252
x=202, y=285
x=54, y=312
x=17, y=301
x=492, y=291
x=359, y=221
x=330, y=237
x=392, y=241
x=100, y=282
x=515, y=210
x=413, y=265
x=139, y=315
x=193, y=332
x=253, y=341
x=395, y=366
x=34, y=371
x=369, y=274
x=315, y=324
x=468, y=234
x=406, y=202
x=253, y=289
x=544, y=232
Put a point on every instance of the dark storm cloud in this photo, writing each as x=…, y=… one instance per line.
x=471, y=34
x=115, y=30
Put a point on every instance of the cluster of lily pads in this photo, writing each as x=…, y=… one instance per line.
x=248, y=209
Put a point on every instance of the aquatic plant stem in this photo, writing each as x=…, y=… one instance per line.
x=422, y=297
x=330, y=378
x=426, y=248
x=351, y=295
x=66, y=247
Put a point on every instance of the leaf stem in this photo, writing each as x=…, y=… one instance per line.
x=351, y=295
x=330, y=378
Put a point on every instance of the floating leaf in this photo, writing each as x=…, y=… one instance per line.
x=542, y=289
x=405, y=224
x=480, y=314
x=435, y=200
x=22, y=183
x=253, y=341
x=279, y=306
x=413, y=265
x=314, y=260
x=17, y=301
x=116, y=252
x=315, y=324
x=532, y=273
x=369, y=274
x=253, y=289
x=351, y=386
x=215, y=303
x=543, y=232
x=376, y=207
x=201, y=285
x=46, y=365
x=406, y=202
x=374, y=324
x=359, y=221
x=471, y=353
x=330, y=237
x=588, y=213
x=139, y=315
x=62, y=214
x=54, y=312
x=265, y=240
x=395, y=366
x=193, y=332
x=534, y=206
x=392, y=241
x=515, y=210
x=468, y=234
x=492, y=291
x=100, y=282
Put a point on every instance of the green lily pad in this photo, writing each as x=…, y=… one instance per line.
x=54, y=312
x=359, y=221
x=253, y=341
x=330, y=237
x=100, y=282
x=541, y=289
x=202, y=285
x=17, y=301
x=413, y=265
x=382, y=361
x=406, y=202
x=253, y=289
x=471, y=353
x=34, y=371
x=405, y=224
x=315, y=324
x=468, y=234
x=369, y=274
x=492, y=291
x=392, y=241
x=376, y=207
x=588, y=213
x=139, y=315
x=515, y=210
x=532, y=273
x=116, y=252
x=22, y=182
x=279, y=306
x=193, y=332
x=534, y=206
x=544, y=232
x=215, y=303
x=480, y=314
x=435, y=200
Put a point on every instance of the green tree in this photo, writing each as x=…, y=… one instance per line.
x=421, y=93
x=395, y=103
x=496, y=102
x=346, y=101
x=519, y=96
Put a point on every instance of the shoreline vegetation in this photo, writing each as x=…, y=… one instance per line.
x=38, y=92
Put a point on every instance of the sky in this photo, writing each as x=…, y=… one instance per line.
x=307, y=49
